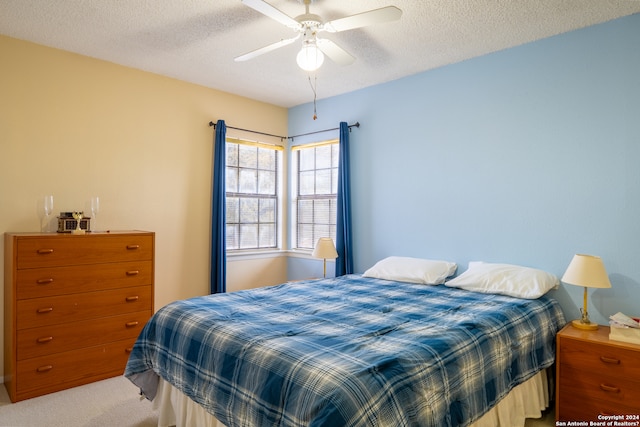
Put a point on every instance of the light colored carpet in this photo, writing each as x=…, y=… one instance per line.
x=112, y=402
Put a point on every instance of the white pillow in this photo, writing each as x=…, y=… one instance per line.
x=414, y=270
x=505, y=279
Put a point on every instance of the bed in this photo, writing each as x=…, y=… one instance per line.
x=346, y=351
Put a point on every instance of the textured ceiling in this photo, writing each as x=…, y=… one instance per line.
x=196, y=40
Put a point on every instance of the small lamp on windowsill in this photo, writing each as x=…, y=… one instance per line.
x=587, y=271
x=325, y=249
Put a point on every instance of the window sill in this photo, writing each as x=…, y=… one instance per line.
x=300, y=253
x=270, y=253
x=255, y=254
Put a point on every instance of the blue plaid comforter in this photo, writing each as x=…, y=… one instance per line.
x=349, y=351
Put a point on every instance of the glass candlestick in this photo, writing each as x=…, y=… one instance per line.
x=95, y=208
x=45, y=209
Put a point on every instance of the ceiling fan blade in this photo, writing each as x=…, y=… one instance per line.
x=376, y=16
x=266, y=49
x=273, y=13
x=335, y=52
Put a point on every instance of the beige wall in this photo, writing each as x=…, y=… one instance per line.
x=74, y=127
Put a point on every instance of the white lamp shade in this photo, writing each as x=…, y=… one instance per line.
x=310, y=58
x=587, y=271
x=325, y=249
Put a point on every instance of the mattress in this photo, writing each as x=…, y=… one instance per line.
x=347, y=351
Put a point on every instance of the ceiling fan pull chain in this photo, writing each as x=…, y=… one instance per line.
x=315, y=94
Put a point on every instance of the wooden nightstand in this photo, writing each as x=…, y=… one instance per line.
x=595, y=376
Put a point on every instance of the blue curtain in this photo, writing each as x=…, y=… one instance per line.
x=344, y=262
x=218, y=281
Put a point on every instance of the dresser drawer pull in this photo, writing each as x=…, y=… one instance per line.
x=45, y=368
x=44, y=281
x=132, y=299
x=132, y=324
x=44, y=340
x=133, y=247
x=128, y=349
x=609, y=388
x=44, y=310
x=133, y=272
x=45, y=251
x=610, y=360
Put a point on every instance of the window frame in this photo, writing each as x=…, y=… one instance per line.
x=296, y=196
x=277, y=198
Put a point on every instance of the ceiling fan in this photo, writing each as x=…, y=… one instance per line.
x=308, y=25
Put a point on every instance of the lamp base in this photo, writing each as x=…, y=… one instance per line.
x=579, y=324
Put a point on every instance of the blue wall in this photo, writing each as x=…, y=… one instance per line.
x=524, y=156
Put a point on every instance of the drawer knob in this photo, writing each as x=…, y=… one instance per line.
x=45, y=251
x=133, y=272
x=610, y=360
x=609, y=388
x=44, y=281
x=44, y=340
x=45, y=368
x=45, y=310
x=133, y=247
x=132, y=298
x=128, y=349
x=131, y=324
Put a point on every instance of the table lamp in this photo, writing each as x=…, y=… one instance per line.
x=326, y=250
x=587, y=271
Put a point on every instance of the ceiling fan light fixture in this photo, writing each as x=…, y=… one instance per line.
x=310, y=58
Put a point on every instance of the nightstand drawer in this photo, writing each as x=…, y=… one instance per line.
x=604, y=360
x=595, y=386
x=579, y=407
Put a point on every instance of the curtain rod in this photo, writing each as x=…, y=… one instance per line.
x=356, y=124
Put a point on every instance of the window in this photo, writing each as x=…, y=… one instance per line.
x=252, y=181
x=315, y=168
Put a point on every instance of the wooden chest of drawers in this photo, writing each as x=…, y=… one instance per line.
x=595, y=376
x=73, y=307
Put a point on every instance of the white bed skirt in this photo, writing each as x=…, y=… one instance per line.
x=527, y=400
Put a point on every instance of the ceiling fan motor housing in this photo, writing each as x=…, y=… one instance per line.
x=309, y=20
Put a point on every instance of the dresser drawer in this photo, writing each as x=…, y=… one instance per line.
x=605, y=360
x=51, y=339
x=63, y=370
x=37, y=312
x=56, y=250
x=41, y=282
